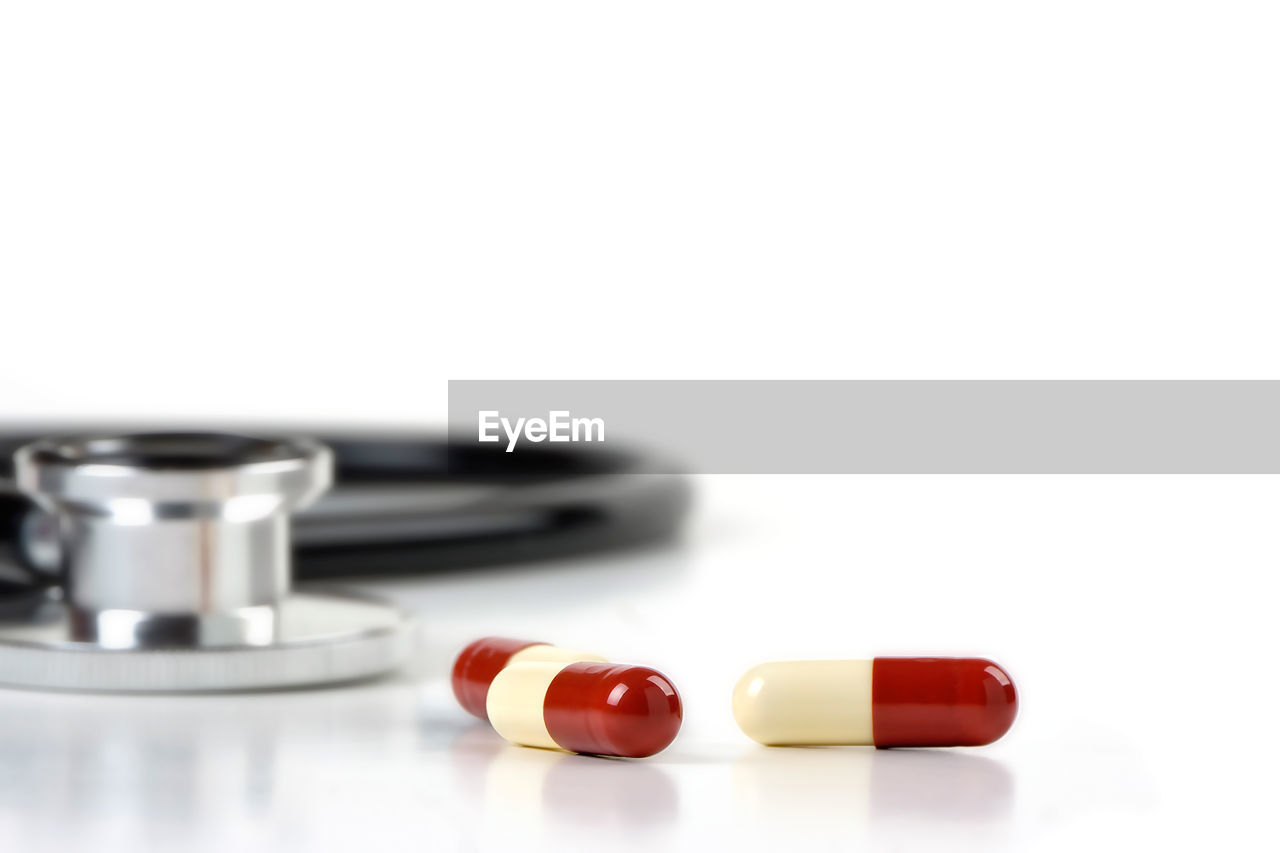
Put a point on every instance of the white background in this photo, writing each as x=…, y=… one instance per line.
x=324, y=211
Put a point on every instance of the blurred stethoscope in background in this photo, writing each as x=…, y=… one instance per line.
x=164, y=561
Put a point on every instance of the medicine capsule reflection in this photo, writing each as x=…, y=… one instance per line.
x=884, y=702
x=479, y=662
x=594, y=708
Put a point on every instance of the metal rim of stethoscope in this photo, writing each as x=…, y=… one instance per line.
x=176, y=570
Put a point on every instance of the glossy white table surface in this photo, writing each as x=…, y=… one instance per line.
x=1135, y=614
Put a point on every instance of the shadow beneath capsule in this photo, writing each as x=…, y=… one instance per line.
x=547, y=789
x=942, y=785
x=865, y=787
x=610, y=794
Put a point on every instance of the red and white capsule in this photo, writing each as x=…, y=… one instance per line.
x=480, y=662
x=885, y=702
x=593, y=708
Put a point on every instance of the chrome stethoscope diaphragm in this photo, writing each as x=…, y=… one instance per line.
x=176, y=566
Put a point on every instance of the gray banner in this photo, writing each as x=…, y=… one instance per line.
x=889, y=427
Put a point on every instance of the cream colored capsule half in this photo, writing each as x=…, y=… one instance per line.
x=805, y=702
x=515, y=702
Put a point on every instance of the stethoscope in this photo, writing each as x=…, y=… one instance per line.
x=165, y=561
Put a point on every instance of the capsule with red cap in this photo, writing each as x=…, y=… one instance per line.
x=594, y=708
x=885, y=702
x=480, y=662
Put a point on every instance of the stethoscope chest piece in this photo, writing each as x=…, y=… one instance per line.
x=176, y=558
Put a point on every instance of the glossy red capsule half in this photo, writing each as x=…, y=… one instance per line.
x=940, y=702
